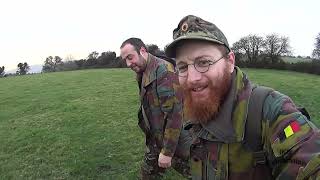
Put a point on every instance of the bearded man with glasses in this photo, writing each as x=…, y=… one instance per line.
x=240, y=130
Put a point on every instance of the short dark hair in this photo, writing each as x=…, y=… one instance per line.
x=136, y=43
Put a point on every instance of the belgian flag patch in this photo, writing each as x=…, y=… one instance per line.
x=289, y=130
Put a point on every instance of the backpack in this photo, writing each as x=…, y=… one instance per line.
x=253, y=134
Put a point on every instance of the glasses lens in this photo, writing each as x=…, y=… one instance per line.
x=202, y=65
x=182, y=70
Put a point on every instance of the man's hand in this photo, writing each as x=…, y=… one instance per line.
x=164, y=161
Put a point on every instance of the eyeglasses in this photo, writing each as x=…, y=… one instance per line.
x=201, y=65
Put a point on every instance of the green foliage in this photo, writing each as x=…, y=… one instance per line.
x=52, y=64
x=23, y=68
x=107, y=59
x=83, y=124
x=305, y=65
x=289, y=59
x=155, y=50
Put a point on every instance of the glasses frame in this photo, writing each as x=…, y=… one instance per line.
x=211, y=62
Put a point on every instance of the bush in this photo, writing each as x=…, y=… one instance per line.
x=265, y=62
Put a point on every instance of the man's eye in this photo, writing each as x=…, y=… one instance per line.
x=203, y=63
x=182, y=68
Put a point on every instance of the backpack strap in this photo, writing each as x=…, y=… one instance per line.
x=253, y=133
x=304, y=111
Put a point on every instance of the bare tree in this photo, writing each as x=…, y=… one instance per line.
x=250, y=46
x=69, y=57
x=276, y=46
x=316, y=50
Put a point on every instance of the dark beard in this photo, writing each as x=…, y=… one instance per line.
x=204, y=111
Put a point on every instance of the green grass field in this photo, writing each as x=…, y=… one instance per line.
x=82, y=124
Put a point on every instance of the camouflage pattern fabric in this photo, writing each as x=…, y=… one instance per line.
x=291, y=141
x=161, y=97
x=151, y=170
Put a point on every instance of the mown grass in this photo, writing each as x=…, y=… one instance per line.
x=82, y=124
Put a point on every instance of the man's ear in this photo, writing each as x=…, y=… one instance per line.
x=143, y=50
x=231, y=60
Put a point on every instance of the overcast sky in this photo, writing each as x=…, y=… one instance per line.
x=31, y=30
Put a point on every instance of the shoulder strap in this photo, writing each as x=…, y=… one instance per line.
x=304, y=111
x=253, y=134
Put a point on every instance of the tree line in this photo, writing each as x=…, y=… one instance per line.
x=251, y=51
x=255, y=51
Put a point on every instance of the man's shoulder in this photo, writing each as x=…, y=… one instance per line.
x=276, y=101
x=164, y=67
x=281, y=105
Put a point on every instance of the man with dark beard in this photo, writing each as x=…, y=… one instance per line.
x=223, y=109
x=160, y=114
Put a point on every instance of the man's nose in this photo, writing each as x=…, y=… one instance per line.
x=128, y=63
x=193, y=74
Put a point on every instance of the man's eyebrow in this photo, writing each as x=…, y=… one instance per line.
x=197, y=58
x=202, y=57
x=181, y=63
x=126, y=57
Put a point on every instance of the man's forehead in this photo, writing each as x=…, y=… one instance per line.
x=127, y=49
x=189, y=59
x=194, y=51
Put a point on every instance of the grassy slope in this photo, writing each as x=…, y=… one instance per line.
x=82, y=124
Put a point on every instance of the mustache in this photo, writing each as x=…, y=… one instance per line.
x=192, y=86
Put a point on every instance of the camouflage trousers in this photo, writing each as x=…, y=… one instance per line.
x=180, y=161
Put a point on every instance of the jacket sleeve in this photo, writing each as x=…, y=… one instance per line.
x=293, y=142
x=170, y=98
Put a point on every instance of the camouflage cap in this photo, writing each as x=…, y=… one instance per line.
x=193, y=27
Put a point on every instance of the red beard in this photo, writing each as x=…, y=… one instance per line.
x=203, y=111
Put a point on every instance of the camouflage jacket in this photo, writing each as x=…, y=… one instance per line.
x=291, y=142
x=161, y=97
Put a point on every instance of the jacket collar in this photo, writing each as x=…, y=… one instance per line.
x=149, y=75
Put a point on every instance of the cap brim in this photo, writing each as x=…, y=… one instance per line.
x=170, y=49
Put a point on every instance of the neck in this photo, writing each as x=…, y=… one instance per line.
x=145, y=62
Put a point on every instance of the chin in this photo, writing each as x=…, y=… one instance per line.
x=200, y=96
x=200, y=100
